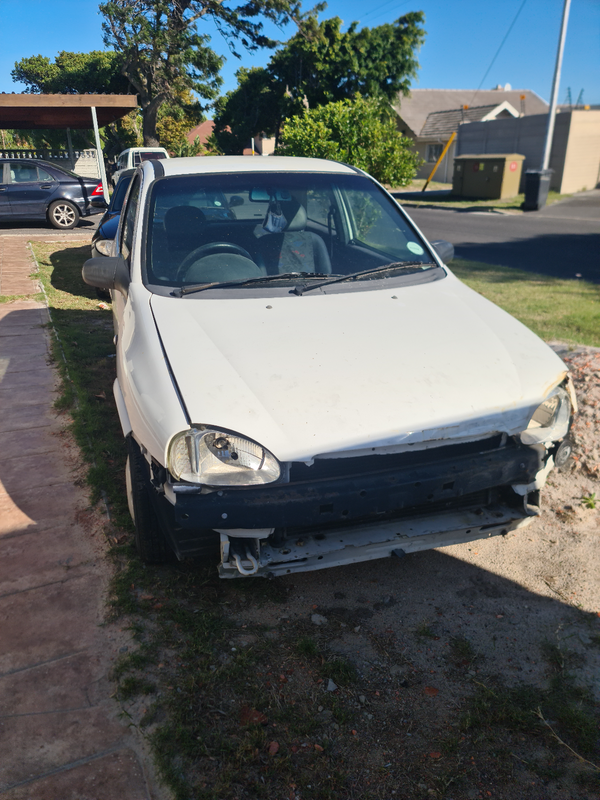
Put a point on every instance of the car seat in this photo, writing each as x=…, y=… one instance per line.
x=183, y=228
x=295, y=249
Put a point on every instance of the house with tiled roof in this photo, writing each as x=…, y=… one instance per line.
x=430, y=116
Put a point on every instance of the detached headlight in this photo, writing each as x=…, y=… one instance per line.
x=216, y=458
x=550, y=421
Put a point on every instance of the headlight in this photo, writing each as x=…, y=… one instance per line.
x=105, y=247
x=550, y=421
x=217, y=458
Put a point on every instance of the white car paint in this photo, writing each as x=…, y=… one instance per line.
x=384, y=369
x=320, y=374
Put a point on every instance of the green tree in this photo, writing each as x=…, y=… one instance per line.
x=319, y=65
x=162, y=53
x=361, y=132
x=72, y=73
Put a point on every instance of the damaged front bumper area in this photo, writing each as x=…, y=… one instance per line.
x=345, y=510
x=350, y=545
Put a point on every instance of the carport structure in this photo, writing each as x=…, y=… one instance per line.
x=66, y=111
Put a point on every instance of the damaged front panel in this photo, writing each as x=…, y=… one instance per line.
x=346, y=510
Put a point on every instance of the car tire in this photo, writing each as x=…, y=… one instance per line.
x=150, y=540
x=63, y=214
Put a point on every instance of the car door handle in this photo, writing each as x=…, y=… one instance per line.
x=3, y=188
x=46, y=186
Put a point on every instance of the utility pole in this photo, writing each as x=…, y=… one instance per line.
x=555, y=84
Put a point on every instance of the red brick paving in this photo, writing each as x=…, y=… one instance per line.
x=60, y=734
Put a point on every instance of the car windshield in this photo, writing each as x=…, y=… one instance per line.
x=213, y=229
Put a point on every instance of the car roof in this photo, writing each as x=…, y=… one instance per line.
x=40, y=161
x=216, y=164
x=143, y=149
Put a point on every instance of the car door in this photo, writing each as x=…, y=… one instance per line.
x=29, y=189
x=4, y=178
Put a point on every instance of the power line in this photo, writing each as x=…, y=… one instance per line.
x=387, y=3
x=498, y=50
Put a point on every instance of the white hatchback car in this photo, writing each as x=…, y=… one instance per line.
x=301, y=380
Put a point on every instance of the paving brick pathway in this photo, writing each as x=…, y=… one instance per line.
x=60, y=734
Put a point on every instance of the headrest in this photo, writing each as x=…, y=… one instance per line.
x=295, y=215
x=180, y=219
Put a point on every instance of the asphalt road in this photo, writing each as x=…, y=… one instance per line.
x=561, y=240
x=87, y=225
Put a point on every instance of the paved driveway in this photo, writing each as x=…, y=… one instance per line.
x=562, y=240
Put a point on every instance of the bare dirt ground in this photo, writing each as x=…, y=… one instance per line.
x=471, y=671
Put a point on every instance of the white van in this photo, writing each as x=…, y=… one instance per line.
x=134, y=156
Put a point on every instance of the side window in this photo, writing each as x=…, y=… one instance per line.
x=434, y=151
x=123, y=162
x=129, y=218
x=23, y=173
x=319, y=207
x=374, y=226
x=45, y=176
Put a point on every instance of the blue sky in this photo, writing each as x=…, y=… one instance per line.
x=462, y=38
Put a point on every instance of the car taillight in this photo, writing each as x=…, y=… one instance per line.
x=98, y=190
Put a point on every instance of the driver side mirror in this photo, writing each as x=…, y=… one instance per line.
x=107, y=272
x=444, y=249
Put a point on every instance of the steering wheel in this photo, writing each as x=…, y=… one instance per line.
x=208, y=250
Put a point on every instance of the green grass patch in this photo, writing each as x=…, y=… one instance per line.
x=553, y=308
x=341, y=671
x=563, y=714
x=12, y=298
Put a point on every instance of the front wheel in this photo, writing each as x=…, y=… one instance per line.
x=150, y=540
x=63, y=215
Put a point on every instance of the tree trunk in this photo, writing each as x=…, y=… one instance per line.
x=150, y=118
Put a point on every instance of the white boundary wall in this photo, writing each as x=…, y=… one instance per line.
x=84, y=162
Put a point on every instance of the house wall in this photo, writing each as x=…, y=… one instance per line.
x=582, y=161
x=444, y=171
x=575, y=153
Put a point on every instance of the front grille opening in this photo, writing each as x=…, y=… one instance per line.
x=366, y=465
x=474, y=502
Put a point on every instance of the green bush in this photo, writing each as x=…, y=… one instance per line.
x=359, y=132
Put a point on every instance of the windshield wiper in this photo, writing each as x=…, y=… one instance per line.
x=200, y=287
x=299, y=290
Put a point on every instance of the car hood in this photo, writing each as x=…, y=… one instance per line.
x=322, y=374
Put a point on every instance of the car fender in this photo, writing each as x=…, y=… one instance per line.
x=150, y=398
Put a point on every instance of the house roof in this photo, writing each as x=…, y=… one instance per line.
x=203, y=131
x=443, y=123
x=32, y=111
x=415, y=109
